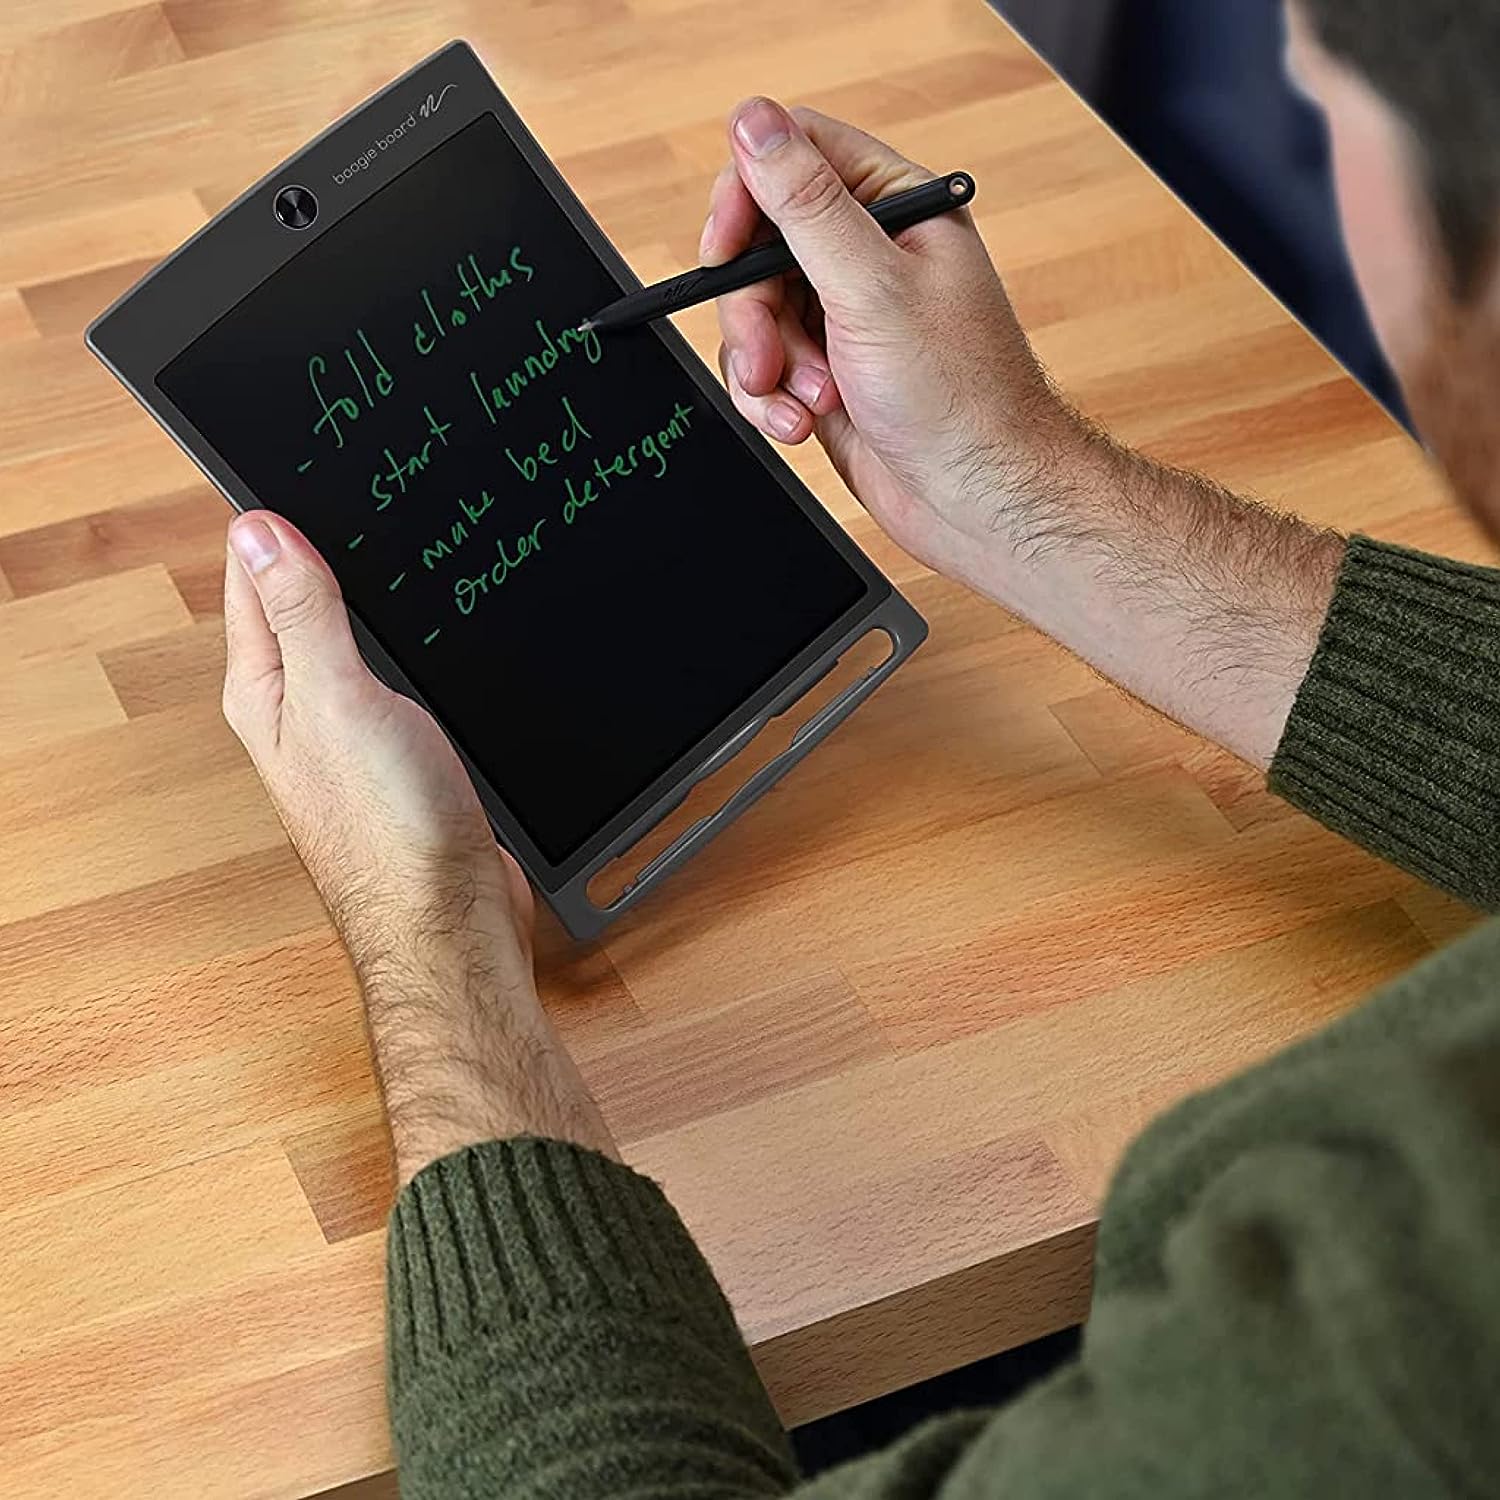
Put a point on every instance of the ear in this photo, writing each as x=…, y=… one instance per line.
x=1382, y=201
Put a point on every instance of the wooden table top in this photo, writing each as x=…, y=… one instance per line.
x=882, y=1042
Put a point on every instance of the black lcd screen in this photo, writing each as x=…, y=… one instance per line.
x=566, y=548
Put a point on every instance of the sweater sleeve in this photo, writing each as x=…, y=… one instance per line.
x=554, y=1332
x=1295, y=1295
x=1394, y=738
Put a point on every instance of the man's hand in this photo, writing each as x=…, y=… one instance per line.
x=903, y=355
x=906, y=360
x=436, y=918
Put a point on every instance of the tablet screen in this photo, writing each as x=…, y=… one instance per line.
x=565, y=547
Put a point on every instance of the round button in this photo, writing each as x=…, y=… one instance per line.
x=296, y=207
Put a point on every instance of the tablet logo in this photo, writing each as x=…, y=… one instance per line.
x=425, y=110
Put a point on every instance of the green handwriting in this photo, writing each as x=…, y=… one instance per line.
x=530, y=465
x=468, y=591
x=477, y=288
x=459, y=531
x=345, y=406
x=648, y=455
x=497, y=396
x=399, y=472
x=650, y=449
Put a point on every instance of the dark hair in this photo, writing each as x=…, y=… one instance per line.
x=1437, y=63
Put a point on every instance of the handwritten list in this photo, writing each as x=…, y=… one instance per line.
x=475, y=540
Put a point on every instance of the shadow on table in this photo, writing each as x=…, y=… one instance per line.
x=877, y=1424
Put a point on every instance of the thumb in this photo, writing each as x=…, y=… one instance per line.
x=299, y=596
x=836, y=242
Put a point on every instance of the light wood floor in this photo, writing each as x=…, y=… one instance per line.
x=882, y=1043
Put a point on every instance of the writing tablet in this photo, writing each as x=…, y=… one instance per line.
x=600, y=579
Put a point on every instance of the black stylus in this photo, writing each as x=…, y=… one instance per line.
x=899, y=211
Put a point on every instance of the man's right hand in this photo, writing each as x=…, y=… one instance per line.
x=904, y=355
x=905, y=358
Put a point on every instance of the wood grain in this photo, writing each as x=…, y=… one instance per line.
x=883, y=1042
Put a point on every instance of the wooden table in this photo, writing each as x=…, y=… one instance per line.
x=882, y=1043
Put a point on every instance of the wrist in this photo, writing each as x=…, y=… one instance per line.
x=1033, y=483
x=447, y=1105
x=465, y=1053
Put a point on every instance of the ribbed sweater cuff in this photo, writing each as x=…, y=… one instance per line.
x=1394, y=739
x=506, y=1232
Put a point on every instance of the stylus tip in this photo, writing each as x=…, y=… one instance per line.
x=584, y=326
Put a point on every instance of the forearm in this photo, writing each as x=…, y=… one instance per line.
x=1362, y=676
x=462, y=1046
x=487, y=1069
x=1205, y=605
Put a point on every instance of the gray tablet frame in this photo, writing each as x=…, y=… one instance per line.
x=244, y=244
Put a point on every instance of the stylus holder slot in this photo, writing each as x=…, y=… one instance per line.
x=682, y=847
x=873, y=651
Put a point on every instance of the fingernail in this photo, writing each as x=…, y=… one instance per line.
x=741, y=363
x=705, y=240
x=784, y=418
x=254, y=544
x=762, y=126
x=807, y=384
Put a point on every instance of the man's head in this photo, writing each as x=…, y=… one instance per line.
x=1411, y=89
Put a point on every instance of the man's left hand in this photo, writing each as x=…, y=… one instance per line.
x=436, y=918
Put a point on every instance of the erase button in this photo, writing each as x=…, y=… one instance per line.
x=296, y=207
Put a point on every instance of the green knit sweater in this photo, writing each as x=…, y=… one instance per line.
x=1297, y=1287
